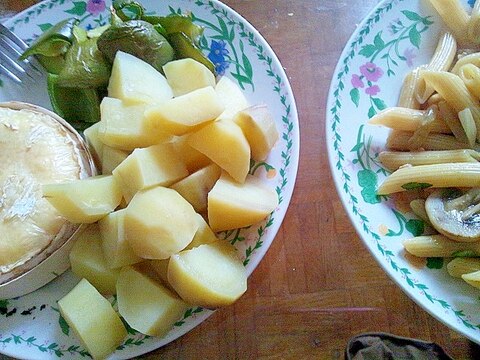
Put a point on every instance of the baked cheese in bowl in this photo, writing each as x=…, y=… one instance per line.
x=36, y=147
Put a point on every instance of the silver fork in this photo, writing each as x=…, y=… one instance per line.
x=11, y=47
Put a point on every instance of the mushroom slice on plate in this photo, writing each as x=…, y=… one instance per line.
x=455, y=213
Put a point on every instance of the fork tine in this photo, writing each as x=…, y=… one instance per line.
x=14, y=38
x=8, y=73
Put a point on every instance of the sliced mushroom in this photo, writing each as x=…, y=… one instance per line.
x=455, y=213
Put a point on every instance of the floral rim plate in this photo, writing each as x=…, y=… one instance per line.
x=397, y=36
x=30, y=326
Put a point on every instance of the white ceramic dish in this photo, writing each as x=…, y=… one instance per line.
x=396, y=37
x=30, y=326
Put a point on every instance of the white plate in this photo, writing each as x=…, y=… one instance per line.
x=30, y=327
x=368, y=78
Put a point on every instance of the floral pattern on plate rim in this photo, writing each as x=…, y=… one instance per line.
x=228, y=59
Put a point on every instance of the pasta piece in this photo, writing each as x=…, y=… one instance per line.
x=436, y=176
x=439, y=246
x=420, y=135
x=400, y=118
x=473, y=26
x=466, y=119
x=392, y=160
x=398, y=140
x=418, y=208
x=463, y=265
x=408, y=92
x=472, y=279
x=454, y=16
x=473, y=59
x=442, y=60
x=470, y=74
x=450, y=117
x=434, y=99
x=456, y=94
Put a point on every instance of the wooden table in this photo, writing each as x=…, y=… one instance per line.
x=317, y=286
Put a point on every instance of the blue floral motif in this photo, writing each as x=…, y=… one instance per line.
x=471, y=3
x=217, y=54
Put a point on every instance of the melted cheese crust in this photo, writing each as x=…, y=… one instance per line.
x=34, y=150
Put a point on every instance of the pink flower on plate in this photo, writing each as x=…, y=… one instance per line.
x=409, y=55
x=372, y=90
x=371, y=71
x=95, y=7
x=357, y=81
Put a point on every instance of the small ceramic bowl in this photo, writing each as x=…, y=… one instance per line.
x=53, y=260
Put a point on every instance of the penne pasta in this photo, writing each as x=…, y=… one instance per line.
x=455, y=17
x=450, y=117
x=470, y=74
x=439, y=246
x=400, y=118
x=473, y=25
x=473, y=59
x=456, y=94
x=463, y=265
x=436, y=176
x=434, y=99
x=398, y=140
x=392, y=160
x=420, y=135
x=442, y=60
x=418, y=208
x=408, y=92
x=468, y=124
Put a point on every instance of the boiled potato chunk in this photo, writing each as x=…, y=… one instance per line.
x=225, y=144
x=159, y=222
x=115, y=246
x=195, y=187
x=210, y=275
x=204, y=234
x=186, y=75
x=186, y=112
x=88, y=261
x=84, y=201
x=135, y=81
x=259, y=128
x=144, y=168
x=232, y=98
x=123, y=127
x=93, y=319
x=94, y=144
x=111, y=158
x=160, y=267
x=232, y=205
x=145, y=304
x=193, y=159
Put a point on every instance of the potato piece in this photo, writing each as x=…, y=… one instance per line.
x=135, y=81
x=148, y=167
x=204, y=234
x=259, y=128
x=193, y=159
x=145, y=304
x=93, y=319
x=232, y=205
x=184, y=113
x=123, y=127
x=210, y=275
x=232, y=98
x=87, y=261
x=195, y=187
x=186, y=75
x=159, y=222
x=224, y=143
x=115, y=246
x=84, y=201
x=94, y=144
x=160, y=267
x=111, y=158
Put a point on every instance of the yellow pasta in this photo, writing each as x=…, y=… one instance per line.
x=463, y=265
x=468, y=124
x=408, y=92
x=400, y=118
x=435, y=175
x=456, y=94
x=470, y=74
x=439, y=246
x=450, y=117
x=434, y=99
x=473, y=59
x=398, y=140
x=473, y=25
x=442, y=60
x=455, y=17
x=418, y=208
x=392, y=160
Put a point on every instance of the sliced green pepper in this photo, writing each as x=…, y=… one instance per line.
x=53, y=42
x=177, y=23
x=184, y=48
x=80, y=107
x=128, y=9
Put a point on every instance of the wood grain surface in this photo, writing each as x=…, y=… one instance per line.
x=317, y=286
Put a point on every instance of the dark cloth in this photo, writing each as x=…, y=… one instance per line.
x=382, y=346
